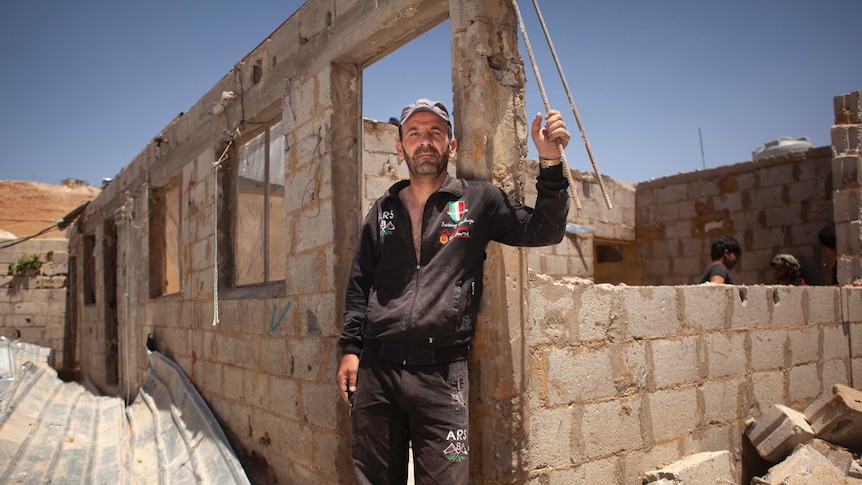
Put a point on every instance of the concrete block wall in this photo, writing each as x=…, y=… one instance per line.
x=771, y=206
x=33, y=305
x=627, y=379
x=267, y=368
x=846, y=178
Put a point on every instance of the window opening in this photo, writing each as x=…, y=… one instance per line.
x=89, y=270
x=259, y=236
x=165, y=234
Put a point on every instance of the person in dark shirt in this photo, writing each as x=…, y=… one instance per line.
x=830, y=254
x=725, y=253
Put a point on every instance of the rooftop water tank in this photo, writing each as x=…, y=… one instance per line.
x=780, y=146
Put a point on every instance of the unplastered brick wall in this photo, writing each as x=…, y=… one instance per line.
x=847, y=179
x=777, y=205
x=33, y=302
x=574, y=256
x=627, y=379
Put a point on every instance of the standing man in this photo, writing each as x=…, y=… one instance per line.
x=725, y=252
x=413, y=293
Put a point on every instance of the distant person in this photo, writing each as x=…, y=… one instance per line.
x=786, y=270
x=725, y=253
x=830, y=255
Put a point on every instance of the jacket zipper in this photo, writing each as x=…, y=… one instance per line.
x=411, y=320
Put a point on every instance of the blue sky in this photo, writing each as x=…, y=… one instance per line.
x=86, y=85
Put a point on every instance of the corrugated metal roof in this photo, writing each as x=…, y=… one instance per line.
x=61, y=433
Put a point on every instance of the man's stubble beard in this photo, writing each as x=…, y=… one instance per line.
x=426, y=169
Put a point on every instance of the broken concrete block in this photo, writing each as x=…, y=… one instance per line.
x=838, y=420
x=705, y=467
x=855, y=471
x=816, y=462
x=778, y=431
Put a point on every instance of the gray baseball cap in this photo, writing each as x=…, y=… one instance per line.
x=436, y=107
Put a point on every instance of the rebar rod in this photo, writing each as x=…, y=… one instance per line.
x=566, y=170
x=572, y=104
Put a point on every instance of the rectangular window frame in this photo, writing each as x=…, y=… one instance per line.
x=272, y=281
x=165, y=240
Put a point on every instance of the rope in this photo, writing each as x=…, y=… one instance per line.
x=535, y=66
x=572, y=104
x=128, y=209
x=215, y=167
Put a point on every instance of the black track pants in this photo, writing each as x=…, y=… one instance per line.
x=395, y=405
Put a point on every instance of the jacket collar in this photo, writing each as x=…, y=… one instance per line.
x=450, y=185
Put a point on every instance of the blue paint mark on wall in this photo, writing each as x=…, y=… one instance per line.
x=276, y=322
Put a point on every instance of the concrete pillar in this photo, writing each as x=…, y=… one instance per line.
x=847, y=185
x=489, y=119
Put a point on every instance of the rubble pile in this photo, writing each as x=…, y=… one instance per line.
x=819, y=446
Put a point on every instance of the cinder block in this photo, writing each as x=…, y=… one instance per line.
x=767, y=349
x=674, y=361
x=705, y=467
x=778, y=431
x=579, y=374
x=815, y=462
x=787, y=309
x=719, y=400
x=804, y=346
x=839, y=419
x=651, y=311
x=611, y=427
x=835, y=342
x=840, y=138
x=551, y=436
x=725, y=354
x=664, y=410
x=706, y=306
x=749, y=307
x=803, y=382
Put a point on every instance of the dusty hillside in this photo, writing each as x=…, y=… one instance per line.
x=29, y=207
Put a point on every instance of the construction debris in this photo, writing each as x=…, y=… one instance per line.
x=818, y=447
x=778, y=431
x=709, y=467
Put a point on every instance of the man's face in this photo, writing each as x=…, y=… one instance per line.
x=781, y=272
x=425, y=144
x=730, y=259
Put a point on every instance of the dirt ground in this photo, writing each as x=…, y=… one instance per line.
x=29, y=207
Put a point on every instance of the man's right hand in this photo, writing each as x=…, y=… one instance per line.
x=347, y=375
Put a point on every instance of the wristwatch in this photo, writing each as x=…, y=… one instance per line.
x=549, y=162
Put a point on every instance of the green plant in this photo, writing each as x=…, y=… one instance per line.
x=24, y=263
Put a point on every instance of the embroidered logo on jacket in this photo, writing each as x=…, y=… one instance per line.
x=384, y=220
x=459, y=228
x=456, y=209
x=457, y=450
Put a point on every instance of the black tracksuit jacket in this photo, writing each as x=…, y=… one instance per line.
x=423, y=312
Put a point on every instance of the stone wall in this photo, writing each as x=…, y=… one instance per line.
x=772, y=206
x=33, y=303
x=626, y=379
